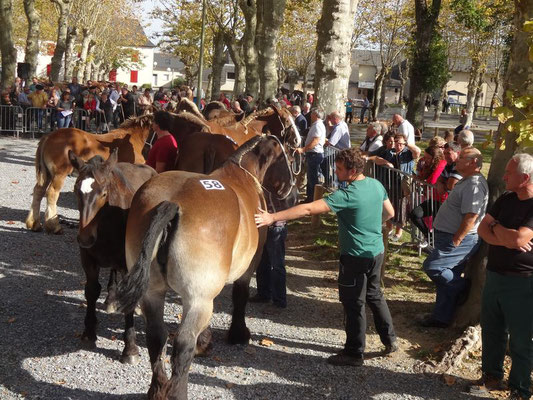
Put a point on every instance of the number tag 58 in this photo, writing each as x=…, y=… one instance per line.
x=211, y=184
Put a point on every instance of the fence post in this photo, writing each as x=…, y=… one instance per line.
x=317, y=195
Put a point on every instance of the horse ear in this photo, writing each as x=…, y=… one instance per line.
x=76, y=162
x=113, y=158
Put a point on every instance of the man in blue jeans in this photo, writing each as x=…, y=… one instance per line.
x=314, y=151
x=456, y=237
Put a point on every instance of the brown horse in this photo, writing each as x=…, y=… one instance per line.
x=104, y=190
x=52, y=164
x=194, y=233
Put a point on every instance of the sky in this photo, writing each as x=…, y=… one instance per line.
x=155, y=25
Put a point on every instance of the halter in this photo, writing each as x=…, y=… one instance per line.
x=258, y=184
x=295, y=168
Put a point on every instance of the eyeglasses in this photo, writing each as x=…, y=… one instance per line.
x=402, y=143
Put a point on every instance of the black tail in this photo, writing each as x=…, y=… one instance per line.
x=133, y=286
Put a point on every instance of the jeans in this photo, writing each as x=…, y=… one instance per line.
x=359, y=283
x=444, y=266
x=63, y=122
x=313, y=169
x=271, y=273
x=507, y=312
x=363, y=112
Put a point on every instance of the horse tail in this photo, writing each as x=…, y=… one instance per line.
x=41, y=171
x=133, y=286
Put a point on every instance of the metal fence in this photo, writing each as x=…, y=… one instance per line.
x=11, y=120
x=406, y=193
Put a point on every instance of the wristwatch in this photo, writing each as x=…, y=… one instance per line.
x=493, y=224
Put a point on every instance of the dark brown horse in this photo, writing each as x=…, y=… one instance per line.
x=52, y=164
x=104, y=191
x=194, y=233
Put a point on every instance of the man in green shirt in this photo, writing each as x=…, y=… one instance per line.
x=361, y=209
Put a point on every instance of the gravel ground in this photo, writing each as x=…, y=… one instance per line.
x=42, y=311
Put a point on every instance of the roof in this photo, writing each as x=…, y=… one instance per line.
x=134, y=35
x=366, y=57
x=167, y=60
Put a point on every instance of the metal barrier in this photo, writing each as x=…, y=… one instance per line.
x=12, y=119
x=406, y=193
x=328, y=168
x=39, y=120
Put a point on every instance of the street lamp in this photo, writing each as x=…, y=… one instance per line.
x=201, y=63
x=172, y=80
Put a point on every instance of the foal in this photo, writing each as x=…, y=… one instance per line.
x=104, y=191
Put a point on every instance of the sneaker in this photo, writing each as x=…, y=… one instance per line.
x=258, y=299
x=391, y=348
x=395, y=238
x=342, y=359
x=430, y=322
x=391, y=233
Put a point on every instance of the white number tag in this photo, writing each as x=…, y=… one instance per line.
x=211, y=184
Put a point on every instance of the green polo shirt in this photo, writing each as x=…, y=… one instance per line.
x=359, y=210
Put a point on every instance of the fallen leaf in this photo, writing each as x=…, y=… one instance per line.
x=113, y=338
x=266, y=342
x=217, y=359
x=229, y=385
x=61, y=382
x=449, y=380
x=11, y=320
x=10, y=222
x=15, y=182
x=24, y=169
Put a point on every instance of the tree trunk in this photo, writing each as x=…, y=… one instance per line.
x=218, y=64
x=333, y=58
x=518, y=81
x=304, y=89
x=82, y=61
x=72, y=35
x=426, y=22
x=479, y=92
x=32, y=38
x=378, y=88
x=249, y=10
x=209, y=86
x=269, y=20
x=383, y=96
x=62, y=9
x=88, y=62
x=473, y=79
x=240, y=79
x=438, y=109
x=95, y=70
x=496, y=90
x=7, y=45
x=236, y=53
x=403, y=79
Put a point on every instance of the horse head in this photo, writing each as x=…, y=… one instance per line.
x=95, y=187
x=288, y=131
x=265, y=157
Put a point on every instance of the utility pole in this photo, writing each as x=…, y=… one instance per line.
x=201, y=63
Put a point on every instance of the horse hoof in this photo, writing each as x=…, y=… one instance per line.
x=111, y=308
x=132, y=359
x=240, y=336
x=52, y=226
x=33, y=225
x=204, y=344
x=88, y=344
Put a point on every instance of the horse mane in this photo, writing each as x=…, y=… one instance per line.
x=141, y=121
x=192, y=118
x=225, y=120
x=244, y=149
x=186, y=105
x=257, y=114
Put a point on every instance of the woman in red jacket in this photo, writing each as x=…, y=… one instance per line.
x=433, y=165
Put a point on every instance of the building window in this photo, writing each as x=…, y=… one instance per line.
x=134, y=76
x=154, y=79
x=167, y=61
x=230, y=75
x=166, y=77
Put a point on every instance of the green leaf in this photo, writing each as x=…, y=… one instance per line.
x=503, y=113
x=531, y=54
x=502, y=145
x=528, y=26
x=509, y=95
x=523, y=101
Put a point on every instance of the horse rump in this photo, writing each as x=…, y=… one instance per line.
x=41, y=171
x=133, y=286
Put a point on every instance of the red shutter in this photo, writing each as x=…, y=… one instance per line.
x=113, y=75
x=133, y=76
x=48, y=69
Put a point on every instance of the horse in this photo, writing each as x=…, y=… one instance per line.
x=194, y=233
x=203, y=153
x=217, y=109
x=104, y=190
x=52, y=164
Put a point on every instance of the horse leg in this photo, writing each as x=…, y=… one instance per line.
x=153, y=305
x=238, y=332
x=196, y=319
x=130, y=354
x=204, y=343
x=33, y=220
x=111, y=291
x=51, y=219
x=92, y=292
